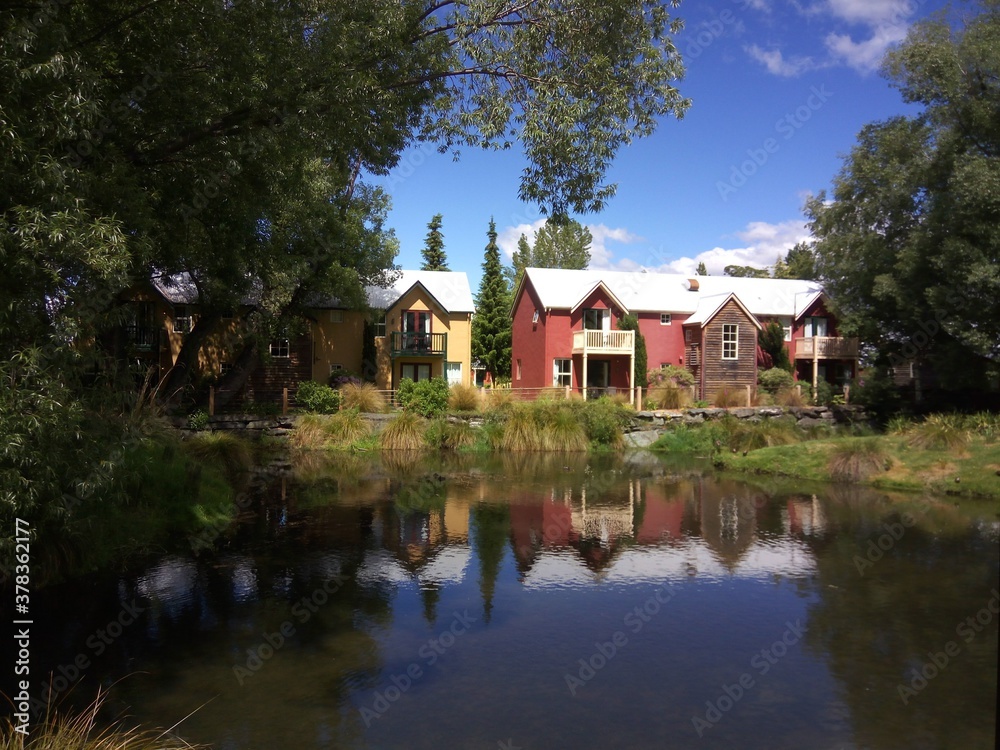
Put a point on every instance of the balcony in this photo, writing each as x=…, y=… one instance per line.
x=418, y=344
x=826, y=347
x=603, y=342
x=142, y=338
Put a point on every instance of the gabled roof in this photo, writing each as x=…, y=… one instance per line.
x=177, y=289
x=450, y=290
x=709, y=307
x=600, y=285
x=639, y=291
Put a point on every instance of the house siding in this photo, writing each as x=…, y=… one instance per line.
x=716, y=372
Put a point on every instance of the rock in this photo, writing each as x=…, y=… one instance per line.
x=770, y=411
x=642, y=439
x=827, y=414
x=693, y=419
x=714, y=413
x=260, y=424
x=743, y=412
x=807, y=422
x=648, y=415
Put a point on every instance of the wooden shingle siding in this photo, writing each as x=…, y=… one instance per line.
x=721, y=373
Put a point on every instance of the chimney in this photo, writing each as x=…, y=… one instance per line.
x=691, y=285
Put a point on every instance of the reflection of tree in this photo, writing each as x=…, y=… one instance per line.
x=873, y=629
x=491, y=523
x=430, y=595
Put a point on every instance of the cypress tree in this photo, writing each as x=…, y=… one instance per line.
x=491, y=324
x=433, y=252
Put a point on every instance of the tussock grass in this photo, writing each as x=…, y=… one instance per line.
x=563, y=432
x=520, y=431
x=362, y=396
x=725, y=398
x=228, y=452
x=789, y=397
x=404, y=433
x=463, y=397
x=668, y=395
x=310, y=433
x=856, y=460
x=499, y=398
x=946, y=431
x=347, y=427
x=61, y=731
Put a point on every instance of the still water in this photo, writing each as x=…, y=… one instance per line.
x=528, y=602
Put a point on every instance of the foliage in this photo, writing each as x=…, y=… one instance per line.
x=798, y=263
x=521, y=431
x=947, y=431
x=878, y=394
x=231, y=454
x=772, y=341
x=726, y=398
x=433, y=250
x=198, y=419
x=774, y=380
x=822, y=394
x=631, y=323
x=428, y=398
x=749, y=272
x=443, y=433
x=561, y=243
x=856, y=460
x=405, y=433
x=317, y=398
x=790, y=397
x=347, y=427
x=491, y=325
x=667, y=395
x=603, y=421
x=671, y=373
x=464, y=397
x=364, y=397
x=340, y=378
x=701, y=270
x=908, y=241
x=562, y=431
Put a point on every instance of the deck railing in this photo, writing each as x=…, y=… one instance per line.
x=418, y=344
x=603, y=342
x=826, y=347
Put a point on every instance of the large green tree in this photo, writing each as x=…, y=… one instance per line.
x=491, y=325
x=433, y=252
x=631, y=323
x=799, y=263
x=559, y=243
x=909, y=241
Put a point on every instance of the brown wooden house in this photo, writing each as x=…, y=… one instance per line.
x=720, y=345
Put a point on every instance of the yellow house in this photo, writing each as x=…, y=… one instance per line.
x=423, y=330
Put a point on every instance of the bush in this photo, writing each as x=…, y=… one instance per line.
x=317, y=398
x=822, y=394
x=856, y=460
x=679, y=376
x=776, y=379
x=340, y=378
x=463, y=398
x=604, y=421
x=362, y=396
x=198, y=420
x=405, y=432
x=428, y=398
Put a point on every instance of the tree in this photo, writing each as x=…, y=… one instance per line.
x=562, y=244
x=701, y=270
x=909, y=242
x=798, y=263
x=631, y=323
x=746, y=272
x=772, y=341
x=433, y=252
x=522, y=259
x=491, y=325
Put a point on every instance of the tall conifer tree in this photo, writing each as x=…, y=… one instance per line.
x=491, y=324
x=433, y=252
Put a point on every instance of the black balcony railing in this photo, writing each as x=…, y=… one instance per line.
x=419, y=344
x=143, y=338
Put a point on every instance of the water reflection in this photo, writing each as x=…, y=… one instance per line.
x=344, y=575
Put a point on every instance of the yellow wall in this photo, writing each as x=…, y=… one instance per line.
x=458, y=327
x=337, y=343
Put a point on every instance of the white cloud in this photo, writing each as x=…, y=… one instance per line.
x=865, y=56
x=600, y=255
x=872, y=12
x=508, y=236
x=776, y=63
x=764, y=242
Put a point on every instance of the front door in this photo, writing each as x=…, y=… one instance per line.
x=598, y=377
x=415, y=372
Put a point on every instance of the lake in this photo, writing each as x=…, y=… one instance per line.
x=549, y=602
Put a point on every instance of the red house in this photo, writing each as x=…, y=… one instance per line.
x=565, y=328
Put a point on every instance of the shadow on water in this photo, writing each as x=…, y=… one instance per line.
x=557, y=601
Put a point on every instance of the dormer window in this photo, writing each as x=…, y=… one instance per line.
x=534, y=318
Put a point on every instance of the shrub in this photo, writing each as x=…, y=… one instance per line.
x=428, y=398
x=340, y=378
x=725, y=398
x=405, y=432
x=198, y=420
x=776, y=379
x=823, y=393
x=463, y=398
x=317, y=398
x=857, y=459
x=667, y=395
x=945, y=431
x=984, y=424
x=604, y=421
x=362, y=396
x=671, y=373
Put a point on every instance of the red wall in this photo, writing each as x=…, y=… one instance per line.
x=663, y=343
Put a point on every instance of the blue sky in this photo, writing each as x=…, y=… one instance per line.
x=779, y=90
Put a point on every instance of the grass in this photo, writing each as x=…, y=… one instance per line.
x=464, y=398
x=725, y=398
x=789, y=397
x=563, y=432
x=972, y=473
x=521, y=432
x=404, y=433
x=939, y=431
x=230, y=453
x=62, y=731
x=364, y=397
x=310, y=432
x=857, y=459
x=668, y=395
x=348, y=427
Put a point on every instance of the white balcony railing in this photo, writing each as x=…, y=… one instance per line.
x=826, y=347
x=603, y=342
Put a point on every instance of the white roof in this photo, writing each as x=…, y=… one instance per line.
x=710, y=305
x=450, y=288
x=640, y=291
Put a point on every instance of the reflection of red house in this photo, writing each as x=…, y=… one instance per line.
x=565, y=325
x=662, y=518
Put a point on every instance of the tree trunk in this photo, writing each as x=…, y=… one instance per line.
x=234, y=380
x=178, y=376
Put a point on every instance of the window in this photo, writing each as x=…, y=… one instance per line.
x=534, y=318
x=596, y=320
x=278, y=348
x=665, y=319
x=182, y=319
x=416, y=373
x=562, y=372
x=336, y=316
x=335, y=368
x=730, y=341
x=815, y=327
x=453, y=372
x=688, y=335
x=786, y=326
x=380, y=324
x=519, y=369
